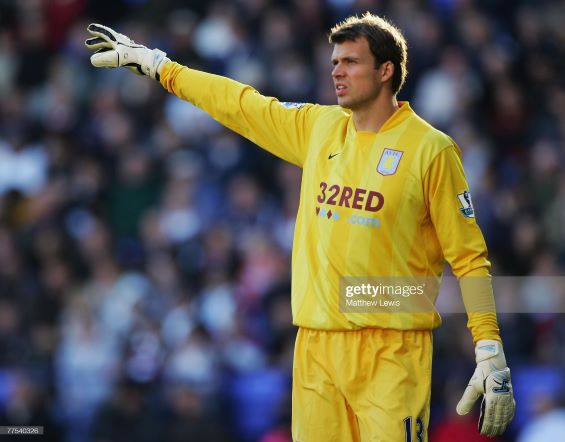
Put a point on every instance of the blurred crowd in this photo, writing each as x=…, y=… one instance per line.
x=145, y=250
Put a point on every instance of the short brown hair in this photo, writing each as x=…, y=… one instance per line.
x=385, y=41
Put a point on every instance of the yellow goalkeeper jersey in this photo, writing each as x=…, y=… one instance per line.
x=393, y=202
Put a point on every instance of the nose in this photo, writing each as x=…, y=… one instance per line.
x=337, y=71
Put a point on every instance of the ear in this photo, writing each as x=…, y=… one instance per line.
x=387, y=71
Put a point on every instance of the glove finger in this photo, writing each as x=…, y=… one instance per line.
x=105, y=58
x=496, y=415
x=507, y=416
x=97, y=43
x=101, y=31
x=485, y=418
x=470, y=396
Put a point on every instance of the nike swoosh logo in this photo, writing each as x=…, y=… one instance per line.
x=331, y=155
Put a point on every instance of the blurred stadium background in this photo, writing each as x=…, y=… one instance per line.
x=145, y=250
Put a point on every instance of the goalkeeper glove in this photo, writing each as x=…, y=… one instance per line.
x=492, y=380
x=115, y=50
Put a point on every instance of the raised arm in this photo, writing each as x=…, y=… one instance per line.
x=281, y=128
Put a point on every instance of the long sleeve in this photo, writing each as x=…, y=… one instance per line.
x=461, y=240
x=280, y=128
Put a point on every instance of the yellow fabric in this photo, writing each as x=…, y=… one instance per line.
x=351, y=386
x=476, y=288
x=355, y=220
x=461, y=242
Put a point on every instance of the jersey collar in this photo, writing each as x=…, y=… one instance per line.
x=403, y=112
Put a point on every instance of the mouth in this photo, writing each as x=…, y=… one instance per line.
x=340, y=89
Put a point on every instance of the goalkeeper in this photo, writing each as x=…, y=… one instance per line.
x=363, y=376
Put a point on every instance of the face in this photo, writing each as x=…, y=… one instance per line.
x=357, y=82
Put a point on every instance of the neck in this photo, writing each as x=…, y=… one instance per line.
x=372, y=117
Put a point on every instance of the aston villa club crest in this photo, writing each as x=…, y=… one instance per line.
x=389, y=162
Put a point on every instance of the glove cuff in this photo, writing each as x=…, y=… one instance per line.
x=491, y=350
x=153, y=62
x=160, y=59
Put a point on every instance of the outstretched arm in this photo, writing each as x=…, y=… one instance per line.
x=281, y=128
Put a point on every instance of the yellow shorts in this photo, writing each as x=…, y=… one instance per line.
x=369, y=385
